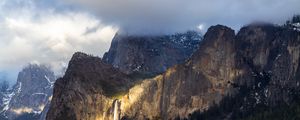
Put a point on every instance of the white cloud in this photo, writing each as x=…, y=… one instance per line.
x=29, y=34
x=49, y=31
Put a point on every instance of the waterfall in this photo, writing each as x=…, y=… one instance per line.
x=116, y=110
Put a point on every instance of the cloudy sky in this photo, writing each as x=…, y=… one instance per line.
x=50, y=31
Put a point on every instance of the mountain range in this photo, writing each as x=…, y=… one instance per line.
x=29, y=98
x=228, y=77
x=252, y=74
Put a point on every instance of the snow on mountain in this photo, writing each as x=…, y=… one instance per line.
x=31, y=92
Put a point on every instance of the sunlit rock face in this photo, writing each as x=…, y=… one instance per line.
x=261, y=56
x=30, y=94
x=149, y=55
x=193, y=85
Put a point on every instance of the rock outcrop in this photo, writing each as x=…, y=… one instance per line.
x=262, y=57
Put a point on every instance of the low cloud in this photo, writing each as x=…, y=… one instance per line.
x=168, y=16
x=50, y=31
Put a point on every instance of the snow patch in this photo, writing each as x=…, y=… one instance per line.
x=266, y=92
x=277, y=56
x=257, y=98
x=50, y=84
x=6, y=101
x=296, y=26
x=20, y=87
x=39, y=94
x=37, y=112
x=7, y=97
x=137, y=68
x=261, y=74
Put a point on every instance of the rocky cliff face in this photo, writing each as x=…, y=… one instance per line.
x=88, y=90
x=259, y=64
x=30, y=94
x=149, y=55
x=272, y=56
x=269, y=84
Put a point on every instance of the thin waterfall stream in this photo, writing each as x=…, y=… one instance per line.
x=116, y=110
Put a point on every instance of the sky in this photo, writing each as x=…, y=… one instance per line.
x=50, y=31
x=46, y=32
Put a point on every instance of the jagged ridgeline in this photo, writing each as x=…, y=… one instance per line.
x=231, y=76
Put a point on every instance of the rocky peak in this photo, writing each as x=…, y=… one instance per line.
x=35, y=75
x=79, y=55
x=150, y=55
x=87, y=64
x=30, y=94
x=87, y=80
x=215, y=37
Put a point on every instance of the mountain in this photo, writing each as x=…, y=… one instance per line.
x=231, y=76
x=150, y=55
x=29, y=96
